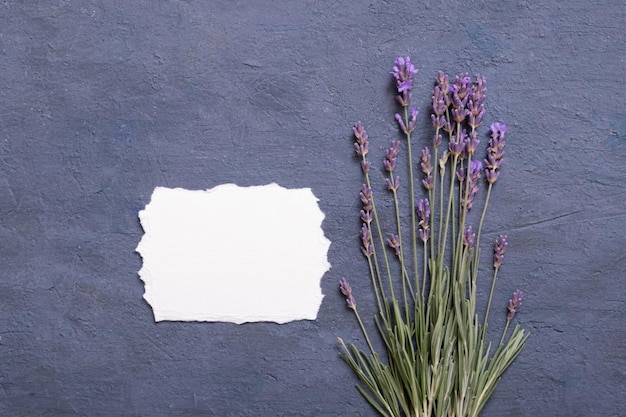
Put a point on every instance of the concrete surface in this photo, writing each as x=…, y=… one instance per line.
x=102, y=101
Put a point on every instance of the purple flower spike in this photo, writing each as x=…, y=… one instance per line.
x=471, y=143
x=346, y=290
x=469, y=238
x=401, y=124
x=366, y=239
x=403, y=72
x=426, y=165
x=365, y=166
x=413, y=120
x=423, y=214
x=475, y=105
x=461, y=89
x=394, y=243
x=366, y=198
x=495, y=152
x=361, y=150
x=456, y=148
x=498, y=129
x=391, y=156
x=515, y=304
x=439, y=102
x=470, y=192
x=367, y=216
x=361, y=144
x=426, y=161
x=393, y=183
x=498, y=251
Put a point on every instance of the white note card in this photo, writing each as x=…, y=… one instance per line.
x=233, y=254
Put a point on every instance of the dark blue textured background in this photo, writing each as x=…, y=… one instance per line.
x=101, y=101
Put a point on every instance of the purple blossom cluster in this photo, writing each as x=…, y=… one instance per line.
x=403, y=72
x=367, y=216
x=469, y=237
x=427, y=168
x=390, y=165
x=460, y=105
x=514, y=305
x=407, y=129
x=498, y=251
x=346, y=290
x=394, y=243
x=469, y=191
x=495, y=152
x=422, y=208
x=361, y=145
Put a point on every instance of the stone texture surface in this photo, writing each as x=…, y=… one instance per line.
x=100, y=102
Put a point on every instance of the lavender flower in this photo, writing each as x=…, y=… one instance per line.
x=426, y=161
x=394, y=243
x=391, y=156
x=443, y=82
x=366, y=198
x=426, y=165
x=459, y=114
x=443, y=161
x=495, y=151
x=403, y=72
x=460, y=174
x=514, y=305
x=475, y=104
x=423, y=214
x=393, y=183
x=469, y=238
x=367, y=248
x=471, y=143
x=361, y=145
x=439, y=102
x=470, y=190
x=407, y=130
x=367, y=216
x=438, y=121
x=460, y=90
x=456, y=148
x=346, y=290
x=498, y=251
x=437, y=139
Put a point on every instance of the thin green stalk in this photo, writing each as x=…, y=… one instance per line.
x=405, y=279
x=382, y=240
x=425, y=269
x=506, y=327
x=378, y=291
x=493, y=285
x=450, y=207
x=412, y=186
x=367, y=339
x=482, y=218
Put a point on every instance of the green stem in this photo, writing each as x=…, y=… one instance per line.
x=367, y=339
x=412, y=203
x=482, y=219
x=382, y=240
x=405, y=278
x=493, y=285
x=506, y=327
x=442, y=249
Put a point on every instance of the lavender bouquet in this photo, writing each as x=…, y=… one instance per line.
x=437, y=359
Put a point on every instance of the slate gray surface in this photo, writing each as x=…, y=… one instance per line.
x=100, y=102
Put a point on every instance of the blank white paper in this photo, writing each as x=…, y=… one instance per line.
x=233, y=254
